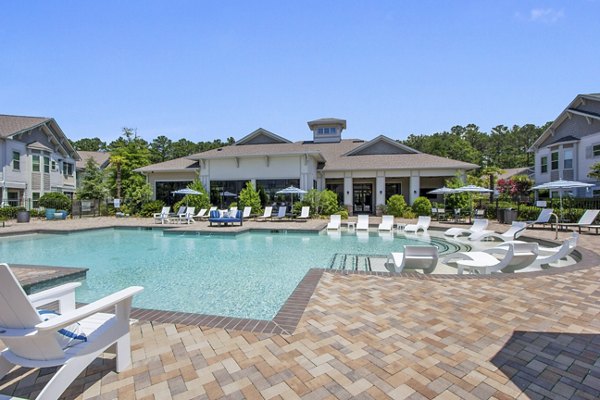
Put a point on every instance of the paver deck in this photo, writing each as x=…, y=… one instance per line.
x=369, y=336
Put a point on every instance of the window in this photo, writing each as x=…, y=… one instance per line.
x=568, y=159
x=67, y=168
x=544, y=164
x=13, y=198
x=54, y=165
x=554, y=165
x=596, y=193
x=596, y=150
x=35, y=200
x=326, y=131
x=16, y=160
x=35, y=163
x=47, y=165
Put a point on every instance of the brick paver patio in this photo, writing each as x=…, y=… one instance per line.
x=366, y=336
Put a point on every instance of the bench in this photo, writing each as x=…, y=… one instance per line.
x=216, y=217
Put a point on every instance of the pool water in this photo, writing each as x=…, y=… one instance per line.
x=249, y=275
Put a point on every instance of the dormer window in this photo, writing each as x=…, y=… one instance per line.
x=326, y=131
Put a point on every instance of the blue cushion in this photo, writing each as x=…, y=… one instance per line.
x=69, y=336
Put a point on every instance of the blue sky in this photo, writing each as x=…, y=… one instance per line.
x=205, y=70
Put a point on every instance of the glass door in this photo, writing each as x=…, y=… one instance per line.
x=363, y=198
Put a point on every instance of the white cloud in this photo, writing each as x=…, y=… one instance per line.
x=546, y=15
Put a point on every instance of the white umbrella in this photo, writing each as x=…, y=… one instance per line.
x=185, y=192
x=443, y=191
x=291, y=190
x=472, y=189
x=561, y=185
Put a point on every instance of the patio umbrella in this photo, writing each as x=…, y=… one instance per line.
x=291, y=190
x=472, y=189
x=185, y=192
x=443, y=191
x=226, y=194
x=561, y=185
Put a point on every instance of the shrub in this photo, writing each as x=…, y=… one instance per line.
x=396, y=205
x=329, y=202
x=199, y=201
x=58, y=201
x=343, y=213
x=151, y=207
x=9, y=212
x=421, y=206
x=250, y=198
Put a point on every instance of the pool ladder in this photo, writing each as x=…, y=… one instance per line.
x=350, y=262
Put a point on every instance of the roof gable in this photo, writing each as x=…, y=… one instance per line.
x=381, y=145
x=11, y=125
x=261, y=136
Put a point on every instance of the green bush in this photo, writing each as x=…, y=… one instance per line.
x=396, y=205
x=421, y=206
x=151, y=207
x=58, y=201
x=343, y=213
x=198, y=201
x=9, y=212
x=249, y=197
x=329, y=202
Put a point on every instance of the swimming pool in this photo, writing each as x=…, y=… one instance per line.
x=249, y=275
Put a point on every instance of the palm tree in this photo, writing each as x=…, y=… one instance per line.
x=117, y=161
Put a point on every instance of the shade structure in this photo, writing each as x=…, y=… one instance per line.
x=471, y=189
x=443, y=191
x=562, y=185
x=291, y=190
x=186, y=191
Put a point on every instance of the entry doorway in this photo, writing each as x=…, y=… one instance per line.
x=363, y=198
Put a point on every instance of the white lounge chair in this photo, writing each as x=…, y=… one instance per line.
x=174, y=218
x=266, y=214
x=414, y=257
x=516, y=229
x=233, y=210
x=335, y=222
x=363, y=222
x=201, y=214
x=188, y=216
x=387, y=223
x=34, y=341
x=422, y=224
x=479, y=225
x=518, y=256
x=247, y=212
x=163, y=215
x=304, y=214
x=280, y=213
x=586, y=220
x=542, y=219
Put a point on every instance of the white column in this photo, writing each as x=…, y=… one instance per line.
x=414, y=187
x=348, y=192
x=379, y=190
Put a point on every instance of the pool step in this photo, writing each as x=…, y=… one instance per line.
x=351, y=262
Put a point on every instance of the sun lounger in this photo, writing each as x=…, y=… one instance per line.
x=517, y=256
x=266, y=214
x=421, y=225
x=280, y=213
x=304, y=214
x=71, y=340
x=546, y=255
x=188, y=216
x=247, y=212
x=201, y=214
x=542, y=219
x=387, y=223
x=162, y=216
x=335, y=222
x=479, y=225
x=363, y=222
x=516, y=229
x=586, y=221
x=414, y=257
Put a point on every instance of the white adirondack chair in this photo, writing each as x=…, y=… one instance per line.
x=33, y=342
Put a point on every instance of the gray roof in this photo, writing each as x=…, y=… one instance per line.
x=510, y=172
x=101, y=158
x=13, y=124
x=333, y=154
x=177, y=164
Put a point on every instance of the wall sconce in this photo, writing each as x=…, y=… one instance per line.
x=414, y=191
x=347, y=192
x=381, y=192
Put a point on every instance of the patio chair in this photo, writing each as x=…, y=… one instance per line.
x=516, y=229
x=422, y=224
x=479, y=213
x=233, y=210
x=33, y=339
x=188, y=216
x=335, y=222
x=247, y=212
x=479, y=225
x=542, y=219
x=304, y=214
x=586, y=220
x=266, y=214
x=280, y=213
x=201, y=214
x=547, y=255
x=363, y=222
x=163, y=215
x=517, y=256
x=387, y=223
x=414, y=257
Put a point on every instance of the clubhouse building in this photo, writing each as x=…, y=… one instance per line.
x=364, y=174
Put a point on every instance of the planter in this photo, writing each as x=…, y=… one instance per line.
x=50, y=213
x=23, y=216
